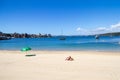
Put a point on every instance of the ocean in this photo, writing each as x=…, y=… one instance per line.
x=77, y=43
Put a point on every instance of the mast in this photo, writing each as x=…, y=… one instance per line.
x=62, y=37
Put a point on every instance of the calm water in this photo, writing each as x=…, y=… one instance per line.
x=71, y=43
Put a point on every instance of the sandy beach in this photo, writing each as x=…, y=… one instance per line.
x=51, y=65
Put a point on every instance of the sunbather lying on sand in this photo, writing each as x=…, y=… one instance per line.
x=69, y=58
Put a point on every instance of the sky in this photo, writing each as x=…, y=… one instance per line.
x=73, y=17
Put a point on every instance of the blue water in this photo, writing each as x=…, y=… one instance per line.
x=71, y=43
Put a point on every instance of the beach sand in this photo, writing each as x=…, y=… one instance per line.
x=51, y=65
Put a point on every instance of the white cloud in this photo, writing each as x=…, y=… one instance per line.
x=81, y=29
x=101, y=29
x=115, y=26
x=112, y=28
x=78, y=29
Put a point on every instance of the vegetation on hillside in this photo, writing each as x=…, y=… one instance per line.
x=111, y=34
x=24, y=35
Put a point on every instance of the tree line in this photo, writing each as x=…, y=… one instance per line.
x=24, y=35
x=111, y=34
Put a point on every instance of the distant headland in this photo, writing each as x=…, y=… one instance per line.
x=24, y=35
x=111, y=34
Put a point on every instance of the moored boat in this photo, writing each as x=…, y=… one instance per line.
x=96, y=37
x=62, y=38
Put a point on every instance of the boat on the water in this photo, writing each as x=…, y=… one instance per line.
x=62, y=38
x=96, y=37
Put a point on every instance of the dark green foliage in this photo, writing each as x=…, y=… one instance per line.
x=111, y=34
x=24, y=35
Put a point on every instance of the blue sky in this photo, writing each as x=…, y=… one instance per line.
x=74, y=17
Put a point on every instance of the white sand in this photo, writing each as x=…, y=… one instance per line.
x=51, y=65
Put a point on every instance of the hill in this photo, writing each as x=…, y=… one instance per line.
x=111, y=34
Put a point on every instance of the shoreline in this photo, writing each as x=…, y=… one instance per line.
x=37, y=52
x=83, y=51
x=62, y=50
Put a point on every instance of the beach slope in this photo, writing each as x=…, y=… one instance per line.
x=51, y=65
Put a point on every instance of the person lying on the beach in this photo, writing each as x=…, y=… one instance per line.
x=69, y=58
